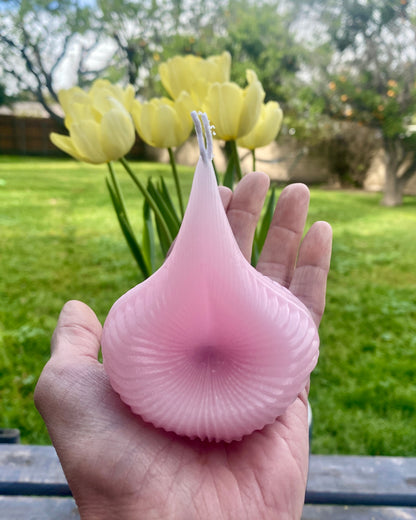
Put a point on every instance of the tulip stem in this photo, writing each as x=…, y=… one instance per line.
x=253, y=155
x=176, y=178
x=117, y=188
x=148, y=197
x=237, y=164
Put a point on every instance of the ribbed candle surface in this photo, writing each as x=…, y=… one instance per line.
x=207, y=346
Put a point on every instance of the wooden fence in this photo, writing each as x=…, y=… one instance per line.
x=30, y=136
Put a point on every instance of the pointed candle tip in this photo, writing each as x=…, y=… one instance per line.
x=205, y=146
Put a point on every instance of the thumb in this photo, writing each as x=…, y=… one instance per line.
x=77, y=334
x=75, y=342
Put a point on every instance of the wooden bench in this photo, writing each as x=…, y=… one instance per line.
x=32, y=485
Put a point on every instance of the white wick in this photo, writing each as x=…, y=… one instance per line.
x=205, y=146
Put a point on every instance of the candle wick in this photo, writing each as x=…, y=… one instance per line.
x=205, y=145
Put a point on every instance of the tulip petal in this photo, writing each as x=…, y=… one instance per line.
x=171, y=81
x=253, y=99
x=117, y=133
x=64, y=143
x=163, y=123
x=194, y=74
x=166, y=127
x=128, y=97
x=266, y=128
x=70, y=98
x=86, y=136
x=141, y=114
x=224, y=104
x=101, y=100
x=219, y=67
x=81, y=111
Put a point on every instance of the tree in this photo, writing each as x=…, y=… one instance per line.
x=371, y=77
x=260, y=37
x=151, y=31
x=257, y=34
x=4, y=98
x=35, y=39
x=136, y=29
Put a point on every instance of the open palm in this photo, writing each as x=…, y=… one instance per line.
x=121, y=467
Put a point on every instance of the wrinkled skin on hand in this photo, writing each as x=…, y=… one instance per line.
x=120, y=467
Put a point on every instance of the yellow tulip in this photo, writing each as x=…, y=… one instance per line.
x=99, y=124
x=103, y=89
x=194, y=75
x=266, y=128
x=163, y=123
x=233, y=110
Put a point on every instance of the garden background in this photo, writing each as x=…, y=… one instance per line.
x=345, y=78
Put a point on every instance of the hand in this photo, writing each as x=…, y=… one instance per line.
x=119, y=467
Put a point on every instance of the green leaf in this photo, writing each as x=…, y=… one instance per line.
x=169, y=217
x=165, y=228
x=262, y=230
x=255, y=252
x=168, y=199
x=149, y=245
x=176, y=180
x=128, y=233
x=164, y=242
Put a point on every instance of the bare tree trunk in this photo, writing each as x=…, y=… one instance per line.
x=393, y=188
x=400, y=167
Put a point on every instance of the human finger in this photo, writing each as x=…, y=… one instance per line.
x=245, y=208
x=78, y=332
x=312, y=267
x=225, y=194
x=278, y=257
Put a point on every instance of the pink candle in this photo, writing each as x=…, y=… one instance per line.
x=207, y=346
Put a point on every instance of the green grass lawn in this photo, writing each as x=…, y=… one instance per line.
x=60, y=240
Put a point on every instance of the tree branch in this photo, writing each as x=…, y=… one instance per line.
x=38, y=91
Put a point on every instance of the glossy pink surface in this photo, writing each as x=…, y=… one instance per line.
x=208, y=347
